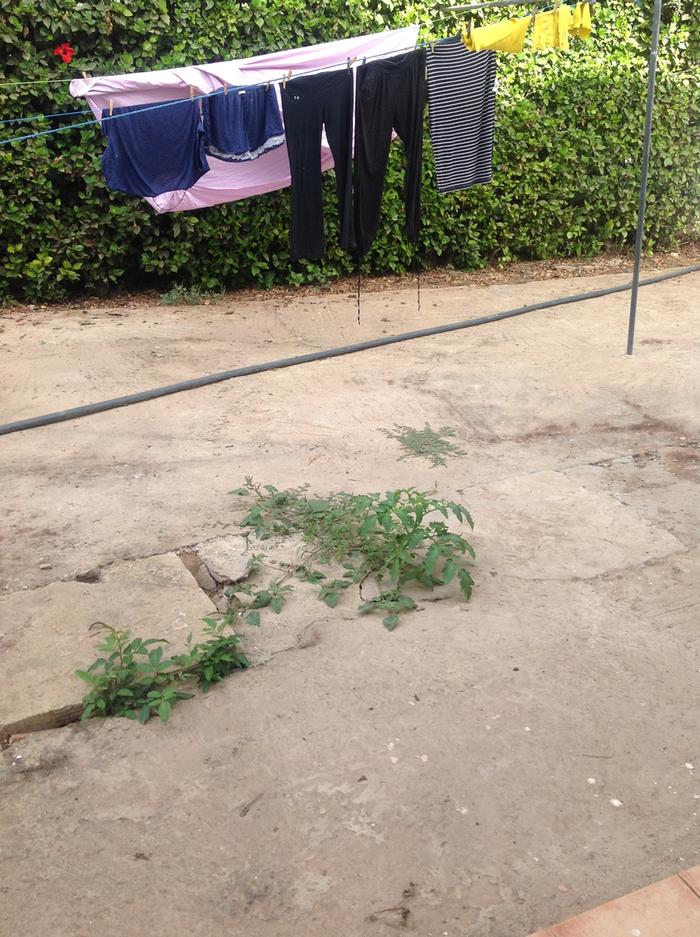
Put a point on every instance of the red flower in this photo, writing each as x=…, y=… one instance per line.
x=65, y=51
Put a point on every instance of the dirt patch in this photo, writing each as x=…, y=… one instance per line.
x=685, y=462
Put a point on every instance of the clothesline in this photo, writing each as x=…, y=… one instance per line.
x=491, y=4
x=37, y=81
x=23, y=120
x=223, y=90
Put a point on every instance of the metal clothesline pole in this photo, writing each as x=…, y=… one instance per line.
x=646, y=152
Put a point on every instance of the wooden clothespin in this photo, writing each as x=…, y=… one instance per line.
x=86, y=76
x=267, y=86
x=286, y=78
x=351, y=61
x=225, y=88
x=191, y=92
x=111, y=106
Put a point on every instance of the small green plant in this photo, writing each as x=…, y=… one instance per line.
x=425, y=443
x=392, y=539
x=274, y=595
x=181, y=295
x=134, y=679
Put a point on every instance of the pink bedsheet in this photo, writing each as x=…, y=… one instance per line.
x=228, y=182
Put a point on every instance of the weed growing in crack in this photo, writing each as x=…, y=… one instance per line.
x=392, y=539
x=425, y=443
x=133, y=678
x=181, y=295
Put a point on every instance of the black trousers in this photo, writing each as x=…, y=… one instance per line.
x=390, y=95
x=308, y=104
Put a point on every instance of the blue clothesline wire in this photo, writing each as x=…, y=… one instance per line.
x=26, y=120
x=198, y=97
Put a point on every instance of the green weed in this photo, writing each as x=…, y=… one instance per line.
x=392, y=539
x=134, y=679
x=181, y=295
x=425, y=443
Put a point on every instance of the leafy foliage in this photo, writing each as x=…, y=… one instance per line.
x=393, y=539
x=425, y=443
x=568, y=147
x=133, y=678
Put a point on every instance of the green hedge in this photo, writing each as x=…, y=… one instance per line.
x=567, y=152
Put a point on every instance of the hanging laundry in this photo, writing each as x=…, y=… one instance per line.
x=462, y=111
x=242, y=124
x=390, y=95
x=160, y=149
x=230, y=181
x=309, y=104
x=506, y=36
x=551, y=29
x=580, y=25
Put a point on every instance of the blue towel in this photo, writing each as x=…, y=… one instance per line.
x=242, y=124
x=159, y=150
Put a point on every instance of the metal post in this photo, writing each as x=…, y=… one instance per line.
x=656, y=25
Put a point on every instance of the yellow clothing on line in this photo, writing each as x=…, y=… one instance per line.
x=506, y=36
x=581, y=21
x=552, y=29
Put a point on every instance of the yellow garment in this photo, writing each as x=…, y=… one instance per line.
x=581, y=21
x=506, y=36
x=552, y=29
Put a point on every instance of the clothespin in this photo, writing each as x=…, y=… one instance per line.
x=267, y=86
x=111, y=106
x=201, y=107
x=351, y=61
x=432, y=46
x=286, y=78
x=225, y=88
x=86, y=76
x=192, y=92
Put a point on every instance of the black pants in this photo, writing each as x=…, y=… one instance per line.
x=390, y=95
x=310, y=103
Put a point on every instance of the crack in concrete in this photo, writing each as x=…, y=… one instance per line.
x=73, y=577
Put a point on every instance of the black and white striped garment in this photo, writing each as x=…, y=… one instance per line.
x=462, y=107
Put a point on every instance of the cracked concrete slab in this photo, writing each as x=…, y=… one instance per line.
x=304, y=797
x=44, y=633
x=462, y=769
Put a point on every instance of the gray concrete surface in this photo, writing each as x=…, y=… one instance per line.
x=45, y=633
x=484, y=770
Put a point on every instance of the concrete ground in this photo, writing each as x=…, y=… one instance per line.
x=483, y=771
